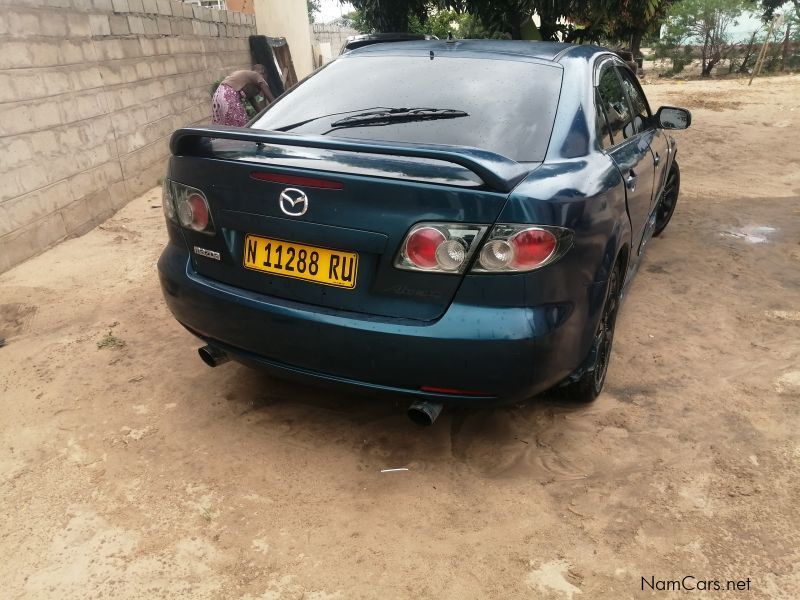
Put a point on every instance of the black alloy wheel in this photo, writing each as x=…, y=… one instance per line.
x=605, y=332
x=669, y=198
x=591, y=382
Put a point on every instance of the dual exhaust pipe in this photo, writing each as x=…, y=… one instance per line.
x=421, y=412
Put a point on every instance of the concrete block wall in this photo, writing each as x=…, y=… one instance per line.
x=335, y=35
x=90, y=91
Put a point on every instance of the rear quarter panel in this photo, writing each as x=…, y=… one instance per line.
x=587, y=196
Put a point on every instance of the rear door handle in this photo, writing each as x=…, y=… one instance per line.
x=657, y=159
x=630, y=180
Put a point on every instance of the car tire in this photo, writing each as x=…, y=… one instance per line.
x=590, y=384
x=669, y=198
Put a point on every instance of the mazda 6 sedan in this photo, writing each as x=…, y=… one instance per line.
x=451, y=221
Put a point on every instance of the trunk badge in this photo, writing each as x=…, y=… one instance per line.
x=293, y=202
x=207, y=253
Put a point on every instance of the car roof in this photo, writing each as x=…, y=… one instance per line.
x=551, y=51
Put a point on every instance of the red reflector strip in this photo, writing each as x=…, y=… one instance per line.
x=295, y=180
x=452, y=391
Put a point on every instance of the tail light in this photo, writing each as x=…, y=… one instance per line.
x=193, y=212
x=167, y=203
x=188, y=206
x=422, y=247
x=449, y=247
x=520, y=248
x=439, y=247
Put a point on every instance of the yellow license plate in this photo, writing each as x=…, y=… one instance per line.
x=320, y=265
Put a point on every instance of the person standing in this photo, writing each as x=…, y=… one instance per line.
x=227, y=104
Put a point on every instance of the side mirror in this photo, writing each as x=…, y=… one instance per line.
x=672, y=117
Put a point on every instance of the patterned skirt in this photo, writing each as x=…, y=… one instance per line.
x=227, y=107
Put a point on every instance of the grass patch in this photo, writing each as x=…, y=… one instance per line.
x=110, y=341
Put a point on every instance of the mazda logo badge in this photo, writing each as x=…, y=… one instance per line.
x=293, y=202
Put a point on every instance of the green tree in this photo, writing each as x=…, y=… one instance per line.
x=509, y=16
x=486, y=17
x=743, y=58
x=635, y=19
x=443, y=23
x=391, y=15
x=575, y=20
x=626, y=21
x=789, y=55
x=782, y=50
x=313, y=10
x=770, y=6
x=355, y=20
x=705, y=23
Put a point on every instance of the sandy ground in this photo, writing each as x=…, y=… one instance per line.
x=128, y=469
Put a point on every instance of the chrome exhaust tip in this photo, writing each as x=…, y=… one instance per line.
x=212, y=356
x=424, y=412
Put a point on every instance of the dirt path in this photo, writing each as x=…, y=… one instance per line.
x=128, y=469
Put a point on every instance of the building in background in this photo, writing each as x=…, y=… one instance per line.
x=287, y=19
x=327, y=40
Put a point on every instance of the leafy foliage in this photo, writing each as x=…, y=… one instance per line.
x=771, y=6
x=636, y=19
x=624, y=22
x=782, y=52
x=354, y=20
x=313, y=9
x=574, y=20
x=391, y=16
x=704, y=23
x=508, y=15
x=463, y=25
x=437, y=19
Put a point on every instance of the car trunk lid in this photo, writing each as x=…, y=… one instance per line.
x=360, y=202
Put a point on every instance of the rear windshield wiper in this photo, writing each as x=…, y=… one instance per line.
x=317, y=118
x=397, y=115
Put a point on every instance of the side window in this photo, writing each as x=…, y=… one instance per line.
x=615, y=103
x=640, y=109
x=601, y=124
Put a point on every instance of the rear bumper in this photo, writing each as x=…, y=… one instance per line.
x=491, y=353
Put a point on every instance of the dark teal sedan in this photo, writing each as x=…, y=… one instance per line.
x=452, y=221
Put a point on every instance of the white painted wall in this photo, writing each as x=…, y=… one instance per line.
x=289, y=19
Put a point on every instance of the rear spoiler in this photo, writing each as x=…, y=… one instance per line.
x=496, y=171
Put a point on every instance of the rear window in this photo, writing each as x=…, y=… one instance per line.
x=510, y=105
